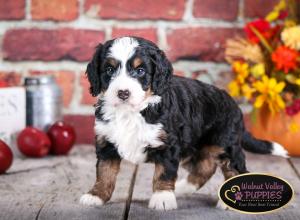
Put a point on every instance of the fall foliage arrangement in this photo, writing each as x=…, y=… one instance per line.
x=266, y=63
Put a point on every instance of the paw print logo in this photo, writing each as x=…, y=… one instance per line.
x=238, y=196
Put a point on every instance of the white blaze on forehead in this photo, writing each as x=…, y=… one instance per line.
x=123, y=48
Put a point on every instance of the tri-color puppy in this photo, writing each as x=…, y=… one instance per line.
x=145, y=114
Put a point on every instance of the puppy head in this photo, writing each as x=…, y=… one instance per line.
x=128, y=71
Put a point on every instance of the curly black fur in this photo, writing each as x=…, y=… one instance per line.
x=195, y=115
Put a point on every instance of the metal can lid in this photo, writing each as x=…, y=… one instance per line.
x=39, y=80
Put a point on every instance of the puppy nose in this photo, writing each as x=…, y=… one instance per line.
x=123, y=94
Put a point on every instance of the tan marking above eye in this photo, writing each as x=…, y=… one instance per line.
x=112, y=62
x=137, y=62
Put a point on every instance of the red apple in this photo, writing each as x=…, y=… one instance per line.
x=33, y=142
x=6, y=157
x=3, y=84
x=62, y=138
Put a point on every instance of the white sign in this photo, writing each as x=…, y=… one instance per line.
x=12, y=113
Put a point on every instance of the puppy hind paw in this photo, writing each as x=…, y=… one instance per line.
x=163, y=200
x=90, y=200
x=221, y=205
x=183, y=187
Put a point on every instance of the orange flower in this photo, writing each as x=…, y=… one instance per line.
x=285, y=58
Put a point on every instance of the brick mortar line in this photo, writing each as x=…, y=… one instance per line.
x=27, y=9
x=80, y=110
x=161, y=34
x=188, y=13
x=80, y=7
x=40, y=65
x=241, y=16
x=108, y=32
x=77, y=95
x=94, y=24
x=25, y=66
x=189, y=67
x=82, y=22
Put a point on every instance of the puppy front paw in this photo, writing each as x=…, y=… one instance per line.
x=163, y=200
x=90, y=200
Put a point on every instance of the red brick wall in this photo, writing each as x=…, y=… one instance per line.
x=58, y=37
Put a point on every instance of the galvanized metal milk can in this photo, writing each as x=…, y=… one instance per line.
x=43, y=101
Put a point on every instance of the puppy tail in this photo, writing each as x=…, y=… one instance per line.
x=254, y=145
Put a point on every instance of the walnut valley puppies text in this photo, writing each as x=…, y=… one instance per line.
x=264, y=190
x=256, y=193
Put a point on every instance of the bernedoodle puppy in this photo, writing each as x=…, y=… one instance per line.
x=146, y=114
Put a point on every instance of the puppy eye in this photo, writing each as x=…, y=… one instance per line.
x=140, y=71
x=109, y=70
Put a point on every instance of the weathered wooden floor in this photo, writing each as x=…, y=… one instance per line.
x=50, y=188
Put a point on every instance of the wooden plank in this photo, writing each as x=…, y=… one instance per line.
x=295, y=163
x=201, y=204
x=23, y=194
x=52, y=191
x=25, y=186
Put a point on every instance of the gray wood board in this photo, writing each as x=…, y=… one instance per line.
x=50, y=188
x=200, y=205
x=296, y=165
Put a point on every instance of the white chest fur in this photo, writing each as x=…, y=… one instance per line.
x=130, y=133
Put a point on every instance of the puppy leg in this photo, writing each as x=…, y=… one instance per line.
x=198, y=176
x=103, y=188
x=200, y=170
x=107, y=168
x=163, y=197
x=229, y=171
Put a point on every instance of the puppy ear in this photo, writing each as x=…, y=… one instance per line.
x=93, y=72
x=162, y=71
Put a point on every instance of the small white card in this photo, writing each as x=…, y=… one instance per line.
x=12, y=113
